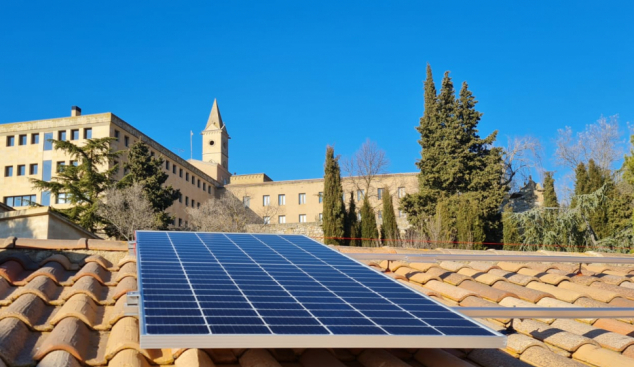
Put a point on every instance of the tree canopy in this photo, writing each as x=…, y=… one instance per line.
x=334, y=211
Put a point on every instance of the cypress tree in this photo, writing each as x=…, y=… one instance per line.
x=334, y=211
x=596, y=177
x=352, y=223
x=550, y=196
x=148, y=172
x=369, y=231
x=510, y=229
x=389, y=228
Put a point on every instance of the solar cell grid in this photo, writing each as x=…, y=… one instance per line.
x=262, y=287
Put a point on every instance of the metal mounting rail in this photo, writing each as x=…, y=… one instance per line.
x=432, y=258
x=547, y=312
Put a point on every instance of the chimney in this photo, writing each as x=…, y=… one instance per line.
x=75, y=111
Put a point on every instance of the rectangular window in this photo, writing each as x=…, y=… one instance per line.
x=180, y=222
x=33, y=169
x=74, y=163
x=302, y=199
x=126, y=141
x=74, y=134
x=281, y=219
x=379, y=193
x=22, y=140
x=152, y=154
x=321, y=217
x=167, y=165
x=267, y=220
x=23, y=200
x=62, y=198
x=209, y=189
x=401, y=192
x=302, y=218
x=35, y=138
x=116, y=135
x=180, y=198
x=88, y=133
x=8, y=171
x=246, y=200
x=321, y=197
x=61, y=135
x=21, y=170
x=186, y=176
x=174, y=168
x=197, y=205
x=60, y=166
x=281, y=199
x=180, y=172
x=10, y=141
x=360, y=195
x=186, y=200
x=266, y=200
x=193, y=203
x=204, y=186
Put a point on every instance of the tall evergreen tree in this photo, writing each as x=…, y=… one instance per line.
x=550, y=196
x=369, y=231
x=352, y=224
x=511, y=229
x=148, y=172
x=83, y=183
x=334, y=211
x=389, y=227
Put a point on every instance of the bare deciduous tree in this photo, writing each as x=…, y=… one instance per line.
x=522, y=156
x=226, y=213
x=365, y=165
x=600, y=141
x=127, y=210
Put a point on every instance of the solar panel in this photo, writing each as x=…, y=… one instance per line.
x=217, y=290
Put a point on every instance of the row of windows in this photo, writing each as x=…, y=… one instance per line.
x=22, y=200
x=21, y=170
x=281, y=219
x=194, y=204
x=61, y=135
x=281, y=198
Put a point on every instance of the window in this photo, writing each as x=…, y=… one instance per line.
x=321, y=197
x=125, y=170
x=180, y=198
x=62, y=198
x=22, y=140
x=180, y=172
x=204, y=186
x=61, y=135
x=246, y=200
x=209, y=189
x=33, y=169
x=401, y=192
x=302, y=199
x=167, y=165
x=23, y=200
x=186, y=200
x=360, y=195
x=281, y=199
x=379, y=193
x=266, y=200
x=321, y=217
x=267, y=220
x=21, y=170
x=126, y=141
x=35, y=138
x=186, y=176
x=180, y=222
x=198, y=183
x=380, y=213
x=74, y=163
x=10, y=141
x=197, y=205
x=8, y=171
x=116, y=163
x=302, y=218
x=116, y=136
x=74, y=134
x=152, y=154
x=174, y=169
x=193, y=203
x=281, y=219
x=60, y=166
x=88, y=133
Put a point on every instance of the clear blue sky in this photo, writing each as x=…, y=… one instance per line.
x=293, y=76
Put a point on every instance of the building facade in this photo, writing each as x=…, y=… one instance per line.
x=26, y=152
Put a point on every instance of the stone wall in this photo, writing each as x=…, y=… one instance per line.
x=307, y=229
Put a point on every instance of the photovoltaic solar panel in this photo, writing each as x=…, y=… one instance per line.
x=218, y=290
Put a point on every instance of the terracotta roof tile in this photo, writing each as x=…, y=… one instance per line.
x=615, y=326
x=559, y=293
x=83, y=308
x=129, y=358
x=127, y=270
x=595, y=293
x=61, y=259
x=194, y=358
x=11, y=271
x=224, y=356
x=89, y=286
x=484, y=266
x=542, y=357
x=101, y=245
x=126, y=259
x=452, y=265
x=258, y=358
x=511, y=267
x=127, y=284
x=606, y=339
x=481, y=277
x=517, y=343
x=422, y=266
x=29, y=309
x=527, y=294
x=380, y=358
x=495, y=358
x=125, y=335
x=319, y=358
x=553, y=302
x=584, y=279
x=474, y=301
x=597, y=356
x=449, y=291
x=74, y=337
x=53, y=270
x=440, y=358
x=447, y=276
x=105, y=263
x=41, y=286
x=622, y=291
x=59, y=358
x=628, y=285
x=484, y=291
x=93, y=270
x=551, y=335
x=514, y=278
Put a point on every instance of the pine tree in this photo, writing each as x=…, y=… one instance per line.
x=550, y=196
x=369, y=231
x=389, y=227
x=83, y=183
x=334, y=211
x=581, y=183
x=511, y=229
x=148, y=172
x=352, y=223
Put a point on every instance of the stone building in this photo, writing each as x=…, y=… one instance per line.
x=26, y=152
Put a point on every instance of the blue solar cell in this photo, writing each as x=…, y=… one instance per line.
x=243, y=284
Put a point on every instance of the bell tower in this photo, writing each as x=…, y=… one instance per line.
x=216, y=139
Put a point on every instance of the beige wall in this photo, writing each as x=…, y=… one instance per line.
x=312, y=207
x=39, y=223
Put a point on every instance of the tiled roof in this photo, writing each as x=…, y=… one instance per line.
x=62, y=304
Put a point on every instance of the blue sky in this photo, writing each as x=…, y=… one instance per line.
x=294, y=76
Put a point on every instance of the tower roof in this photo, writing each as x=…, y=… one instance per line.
x=214, y=121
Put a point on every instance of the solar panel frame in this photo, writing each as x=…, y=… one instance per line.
x=241, y=335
